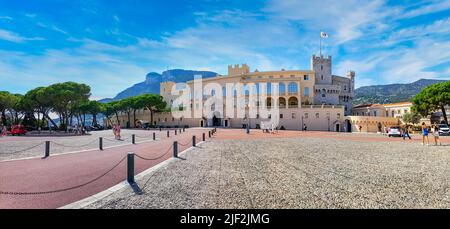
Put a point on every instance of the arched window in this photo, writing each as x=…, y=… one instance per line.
x=269, y=88
x=281, y=102
x=256, y=88
x=245, y=90
x=213, y=92
x=282, y=88
x=306, y=91
x=269, y=101
x=224, y=91
x=292, y=88
x=293, y=102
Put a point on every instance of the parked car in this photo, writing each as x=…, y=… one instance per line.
x=444, y=130
x=394, y=131
x=18, y=130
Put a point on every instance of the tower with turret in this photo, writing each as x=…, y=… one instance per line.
x=322, y=67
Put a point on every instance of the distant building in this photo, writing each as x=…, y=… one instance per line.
x=393, y=110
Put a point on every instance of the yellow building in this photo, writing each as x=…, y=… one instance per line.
x=313, y=98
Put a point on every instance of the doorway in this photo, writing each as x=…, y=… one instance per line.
x=216, y=121
x=338, y=127
x=349, y=126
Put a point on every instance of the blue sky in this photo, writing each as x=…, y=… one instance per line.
x=111, y=45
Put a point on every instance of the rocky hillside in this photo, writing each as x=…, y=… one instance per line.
x=153, y=79
x=391, y=93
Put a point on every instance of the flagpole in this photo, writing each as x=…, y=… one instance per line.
x=320, y=49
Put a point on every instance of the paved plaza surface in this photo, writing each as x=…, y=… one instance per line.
x=62, y=179
x=297, y=170
x=288, y=169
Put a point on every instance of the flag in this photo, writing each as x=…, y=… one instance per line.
x=323, y=35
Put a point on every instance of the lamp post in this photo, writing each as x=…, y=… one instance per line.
x=302, y=124
x=328, y=123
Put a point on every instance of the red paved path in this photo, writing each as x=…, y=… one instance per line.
x=62, y=171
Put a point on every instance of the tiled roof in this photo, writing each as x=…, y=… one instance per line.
x=367, y=105
x=397, y=104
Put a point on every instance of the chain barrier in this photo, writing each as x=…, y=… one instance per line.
x=23, y=150
x=156, y=158
x=140, y=136
x=181, y=144
x=64, y=189
x=73, y=146
x=113, y=140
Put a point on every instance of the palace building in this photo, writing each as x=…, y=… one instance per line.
x=315, y=98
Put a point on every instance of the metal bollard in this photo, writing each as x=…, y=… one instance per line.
x=154, y=136
x=209, y=134
x=184, y=129
x=47, y=148
x=168, y=134
x=175, y=132
x=193, y=140
x=203, y=136
x=100, y=143
x=133, y=139
x=130, y=168
x=159, y=128
x=175, y=149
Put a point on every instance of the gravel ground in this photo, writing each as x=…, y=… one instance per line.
x=19, y=147
x=297, y=173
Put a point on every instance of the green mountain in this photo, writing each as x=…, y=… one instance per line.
x=391, y=93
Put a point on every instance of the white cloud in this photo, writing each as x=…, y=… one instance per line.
x=427, y=8
x=403, y=64
x=116, y=18
x=8, y=18
x=14, y=37
x=345, y=20
x=435, y=29
x=52, y=27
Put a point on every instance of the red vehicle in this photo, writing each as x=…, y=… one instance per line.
x=18, y=130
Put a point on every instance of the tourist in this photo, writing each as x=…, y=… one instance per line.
x=360, y=128
x=305, y=128
x=406, y=132
x=4, y=131
x=436, y=135
x=114, y=129
x=425, y=134
x=1, y=131
x=118, y=132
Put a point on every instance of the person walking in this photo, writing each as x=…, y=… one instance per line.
x=4, y=131
x=114, y=129
x=436, y=135
x=118, y=132
x=305, y=128
x=406, y=132
x=425, y=134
